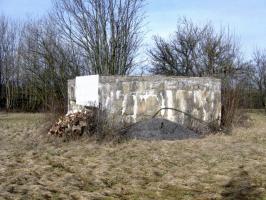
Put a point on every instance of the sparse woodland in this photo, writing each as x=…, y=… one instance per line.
x=82, y=37
x=37, y=57
x=77, y=37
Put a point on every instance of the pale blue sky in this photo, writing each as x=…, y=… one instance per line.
x=246, y=18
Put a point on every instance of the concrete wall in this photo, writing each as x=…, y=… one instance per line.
x=131, y=99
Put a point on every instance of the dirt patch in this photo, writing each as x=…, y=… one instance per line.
x=242, y=186
x=159, y=129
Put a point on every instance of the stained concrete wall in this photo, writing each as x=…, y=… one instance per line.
x=131, y=99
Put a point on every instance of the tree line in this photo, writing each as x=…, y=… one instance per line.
x=79, y=37
x=75, y=38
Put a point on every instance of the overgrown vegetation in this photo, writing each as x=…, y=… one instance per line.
x=216, y=167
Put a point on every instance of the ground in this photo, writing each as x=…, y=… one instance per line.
x=34, y=166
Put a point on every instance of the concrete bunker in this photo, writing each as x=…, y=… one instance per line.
x=131, y=99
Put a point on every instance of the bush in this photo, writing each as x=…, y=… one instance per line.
x=230, y=102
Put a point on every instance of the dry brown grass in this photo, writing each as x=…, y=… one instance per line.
x=216, y=167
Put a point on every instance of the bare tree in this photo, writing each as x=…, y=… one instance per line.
x=220, y=55
x=35, y=64
x=8, y=42
x=195, y=51
x=200, y=51
x=3, y=27
x=108, y=31
x=259, y=75
x=48, y=63
x=180, y=55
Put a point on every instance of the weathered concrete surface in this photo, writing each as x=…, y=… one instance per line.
x=72, y=106
x=131, y=99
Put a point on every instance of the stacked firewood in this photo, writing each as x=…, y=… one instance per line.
x=76, y=124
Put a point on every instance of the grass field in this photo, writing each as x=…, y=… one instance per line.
x=33, y=166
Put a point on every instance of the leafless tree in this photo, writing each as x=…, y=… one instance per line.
x=201, y=51
x=108, y=31
x=259, y=75
x=8, y=42
x=219, y=53
x=195, y=51
x=180, y=55
x=79, y=37
x=48, y=63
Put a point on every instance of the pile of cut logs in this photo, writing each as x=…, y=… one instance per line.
x=76, y=124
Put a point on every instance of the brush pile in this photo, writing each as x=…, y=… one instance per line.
x=76, y=124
